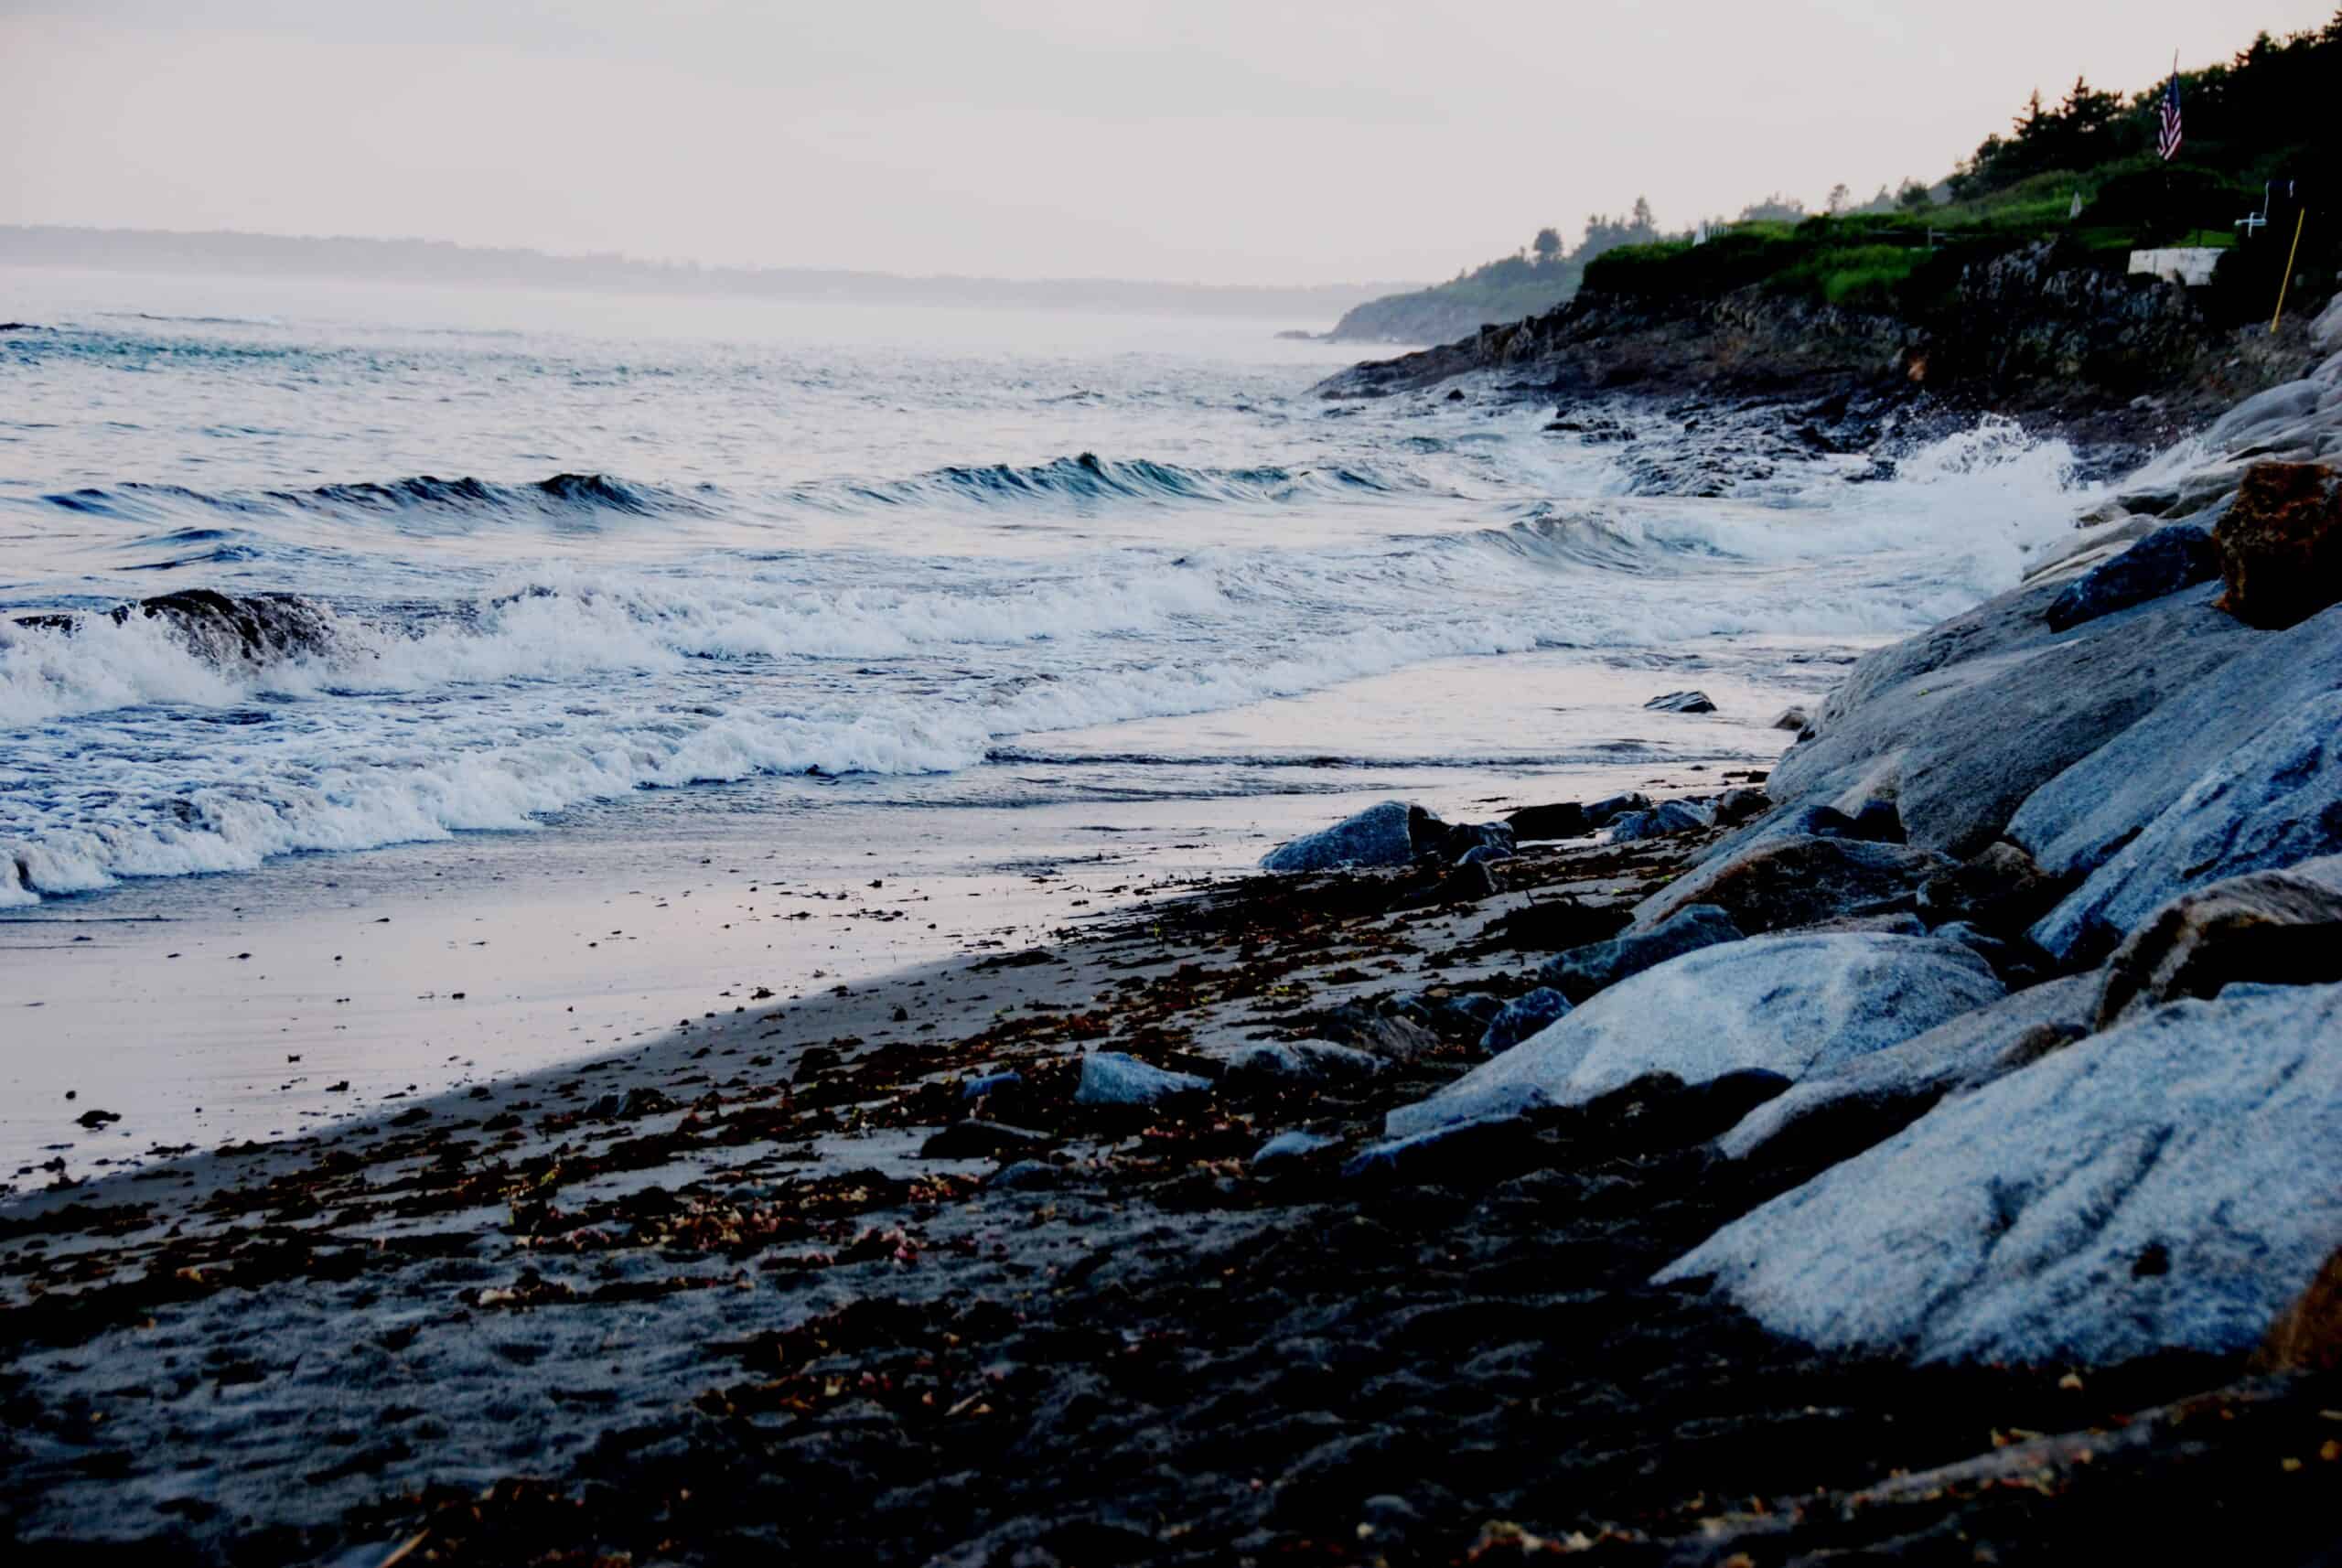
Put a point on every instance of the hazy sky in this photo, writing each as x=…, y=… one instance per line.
x=1222, y=140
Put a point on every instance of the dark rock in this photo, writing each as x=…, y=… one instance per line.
x=1582, y=971
x=2172, y=557
x=1793, y=719
x=1475, y=1152
x=1600, y=811
x=1482, y=853
x=1390, y=1036
x=1663, y=821
x=1779, y=883
x=1376, y=836
x=96, y=1119
x=1522, y=1018
x=978, y=1140
x=1555, y=925
x=1566, y=820
x=1998, y=888
x=2280, y=928
x=2281, y=545
x=1458, y=842
x=1024, y=1176
x=990, y=1083
x=1737, y=806
x=1281, y=1064
x=252, y=629
x=2307, y=1336
x=1682, y=702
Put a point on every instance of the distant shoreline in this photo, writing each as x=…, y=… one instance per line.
x=444, y=262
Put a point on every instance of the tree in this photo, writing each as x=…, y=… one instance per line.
x=1839, y=198
x=1775, y=208
x=1914, y=197
x=1548, y=245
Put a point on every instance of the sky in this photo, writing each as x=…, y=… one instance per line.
x=1219, y=141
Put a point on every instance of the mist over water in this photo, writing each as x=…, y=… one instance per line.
x=543, y=551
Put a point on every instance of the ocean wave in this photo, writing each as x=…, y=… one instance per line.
x=420, y=495
x=1089, y=477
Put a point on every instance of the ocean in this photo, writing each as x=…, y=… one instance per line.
x=539, y=593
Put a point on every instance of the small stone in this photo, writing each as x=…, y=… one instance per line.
x=1682, y=702
x=1288, y=1149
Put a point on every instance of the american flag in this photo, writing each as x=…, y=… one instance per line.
x=2167, y=138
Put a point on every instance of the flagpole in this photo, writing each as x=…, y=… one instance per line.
x=2299, y=218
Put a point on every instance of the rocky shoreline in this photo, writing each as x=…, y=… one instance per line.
x=1926, y=1152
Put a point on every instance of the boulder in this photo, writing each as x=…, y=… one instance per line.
x=1998, y=889
x=1584, y=970
x=2281, y=545
x=1379, y=835
x=2175, y=556
x=1682, y=702
x=1481, y=853
x=1476, y=1151
x=1563, y=821
x=1555, y=925
x=1288, y=1149
x=2073, y=823
x=1600, y=811
x=1834, y=1115
x=2171, y=1184
x=1390, y=1036
x=1663, y=821
x=1789, y=1004
x=2275, y=802
x=1299, y=1063
x=2275, y=927
x=1876, y=821
x=1962, y=723
x=1522, y=1018
x=1737, y=806
x=1776, y=884
x=1791, y=719
x=1110, y=1077
x=1458, y=842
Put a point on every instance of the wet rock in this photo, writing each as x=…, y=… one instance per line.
x=1376, y=836
x=2281, y=545
x=1460, y=843
x=2172, y=557
x=1790, y=1004
x=1999, y=888
x=94, y=1119
x=1555, y=925
x=1737, y=806
x=1288, y=1150
x=1682, y=702
x=1566, y=820
x=1522, y=1018
x=1791, y=719
x=2171, y=1184
x=2273, y=927
x=2249, y=422
x=1776, y=883
x=254, y=629
x=2275, y=802
x=1110, y=1077
x=1663, y=821
x=1600, y=811
x=979, y=1139
x=1582, y=971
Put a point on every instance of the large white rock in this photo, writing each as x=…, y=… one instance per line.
x=1791, y=1004
x=2170, y=1184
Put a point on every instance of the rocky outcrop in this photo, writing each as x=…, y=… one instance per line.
x=1788, y=1004
x=2281, y=545
x=2167, y=1184
x=1391, y=833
